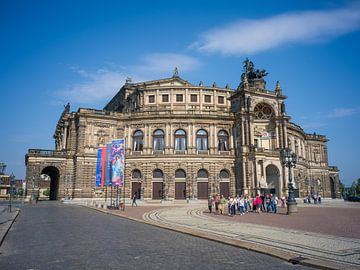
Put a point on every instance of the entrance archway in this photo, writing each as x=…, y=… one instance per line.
x=54, y=176
x=272, y=179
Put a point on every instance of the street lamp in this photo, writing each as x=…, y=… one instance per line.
x=289, y=159
x=2, y=168
x=11, y=179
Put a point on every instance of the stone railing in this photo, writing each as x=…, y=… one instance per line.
x=46, y=153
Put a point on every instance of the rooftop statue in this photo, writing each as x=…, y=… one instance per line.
x=251, y=73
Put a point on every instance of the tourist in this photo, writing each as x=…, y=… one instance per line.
x=246, y=203
x=134, y=199
x=233, y=206
x=283, y=203
x=210, y=204
x=257, y=203
x=242, y=206
x=262, y=197
x=217, y=201
x=268, y=202
x=274, y=202
x=222, y=204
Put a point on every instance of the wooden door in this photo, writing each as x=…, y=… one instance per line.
x=180, y=190
x=203, y=191
x=157, y=190
x=135, y=188
x=224, y=189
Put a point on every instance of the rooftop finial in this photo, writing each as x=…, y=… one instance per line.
x=128, y=80
x=214, y=84
x=67, y=107
x=176, y=72
x=278, y=88
x=201, y=83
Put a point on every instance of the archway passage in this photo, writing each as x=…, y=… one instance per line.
x=54, y=175
x=272, y=180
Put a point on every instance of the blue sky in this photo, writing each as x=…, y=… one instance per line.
x=54, y=52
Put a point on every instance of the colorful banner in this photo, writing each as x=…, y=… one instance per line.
x=108, y=165
x=98, y=168
x=103, y=165
x=118, y=162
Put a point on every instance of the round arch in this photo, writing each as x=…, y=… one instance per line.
x=273, y=179
x=54, y=175
x=180, y=173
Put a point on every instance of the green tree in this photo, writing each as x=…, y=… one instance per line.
x=355, y=187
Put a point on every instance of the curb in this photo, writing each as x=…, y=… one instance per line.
x=283, y=255
x=2, y=237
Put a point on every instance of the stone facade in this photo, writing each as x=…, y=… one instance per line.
x=187, y=141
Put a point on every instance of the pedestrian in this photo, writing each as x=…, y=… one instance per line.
x=134, y=199
x=242, y=206
x=257, y=203
x=229, y=205
x=262, y=197
x=283, y=202
x=274, y=201
x=246, y=203
x=210, y=203
x=222, y=204
x=319, y=199
x=217, y=202
x=267, y=201
x=315, y=199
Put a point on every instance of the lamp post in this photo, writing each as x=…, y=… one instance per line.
x=289, y=159
x=11, y=179
x=2, y=170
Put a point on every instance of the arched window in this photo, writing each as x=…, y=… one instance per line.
x=201, y=140
x=136, y=174
x=202, y=174
x=224, y=174
x=158, y=173
x=263, y=111
x=180, y=173
x=138, y=140
x=180, y=140
x=223, y=141
x=158, y=140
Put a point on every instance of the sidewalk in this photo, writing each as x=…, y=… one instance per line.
x=298, y=246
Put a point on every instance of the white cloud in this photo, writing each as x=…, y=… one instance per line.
x=100, y=86
x=252, y=36
x=94, y=88
x=164, y=63
x=343, y=112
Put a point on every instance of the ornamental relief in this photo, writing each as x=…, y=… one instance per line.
x=182, y=126
x=100, y=125
x=137, y=125
x=156, y=126
x=206, y=126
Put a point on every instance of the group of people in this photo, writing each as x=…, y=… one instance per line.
x=244, y=204
x=316, y=199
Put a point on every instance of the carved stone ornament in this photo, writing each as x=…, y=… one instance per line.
x=137, y=126
x=263, y=183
